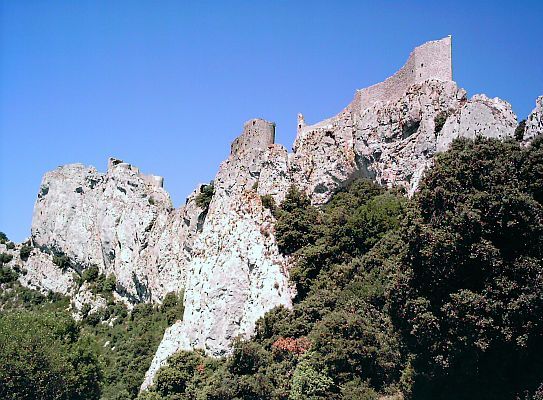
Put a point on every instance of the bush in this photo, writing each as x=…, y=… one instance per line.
x=173, y=307
x=519, y=130
x=308, y=383
x=296, y=222
x=5, y=258
x=63, y=261
x=3, y=238
x=24, y=252
x=269, y=202
x=7, y=275
x=203, y=199
x=439, y=121
x=109, y=285
x=90, y=274
x=10, y=245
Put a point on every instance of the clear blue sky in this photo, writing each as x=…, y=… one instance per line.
x=167, y=85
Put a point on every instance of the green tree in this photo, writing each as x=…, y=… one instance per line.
x=24, y=252
x=43, y=357
x=467, y=297
x=203, y=199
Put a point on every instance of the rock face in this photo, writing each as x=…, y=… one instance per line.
x=534, y=122
x=236, y=273
x=122, y=221
x=226, y=257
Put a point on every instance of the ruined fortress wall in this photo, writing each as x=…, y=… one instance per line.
x=432, y=60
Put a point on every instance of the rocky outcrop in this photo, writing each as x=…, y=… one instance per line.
x=236, y=273
x=121, y=221
x=534, y=122
x=393, y=142
x=38, y=271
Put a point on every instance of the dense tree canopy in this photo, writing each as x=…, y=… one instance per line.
x=43, y=357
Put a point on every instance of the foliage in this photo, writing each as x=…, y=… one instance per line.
x=346, y=228
x=90, y=274
x=44, y=357
x=62, y=260
x=269, y=202
x=7, y=274
x=467, y=295
x=124, y=347
x=308, y=383
x=3, y=238
x=5, y=258
x=203, y=199
x=24, y=252
x=439, y=121
x=437, y=297
x=519, y=130
x=296, y=222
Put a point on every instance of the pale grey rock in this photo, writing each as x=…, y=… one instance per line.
x=40, y=273
x=534, y=122
x=122, y=221
x=392, y=142
x=226, y=257
x=387, y=134
x=481, y=116
x=85, y=296
x=236, y=273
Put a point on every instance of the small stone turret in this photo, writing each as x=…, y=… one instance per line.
x=257, y=134
x=301, y=121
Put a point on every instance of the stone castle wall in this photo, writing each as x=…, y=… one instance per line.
x=432, y=60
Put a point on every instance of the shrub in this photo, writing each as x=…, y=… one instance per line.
x=466, y=295
x=90, y=274
x=269, y=202
x=109, y=285
x=519, y=130
x=7, y=275
x=173, y=307
x=10, y=245
x=203, y=199
x=309, y=384
x=296, y=222
x=439, y=121
x=247, y=357
x=3, y=238
x=42, y=356
x=5, y=258
x=24, y=252
x=62, y=260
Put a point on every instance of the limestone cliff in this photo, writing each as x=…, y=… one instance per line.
x=121, y=221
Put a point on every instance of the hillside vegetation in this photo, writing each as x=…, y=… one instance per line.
x=435, y=297
x=439, y=297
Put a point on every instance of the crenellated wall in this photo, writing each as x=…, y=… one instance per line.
x=432, y=60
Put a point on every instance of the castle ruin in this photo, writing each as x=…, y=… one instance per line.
x=432, y=60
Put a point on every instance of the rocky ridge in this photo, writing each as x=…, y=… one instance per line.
x=226, y=257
